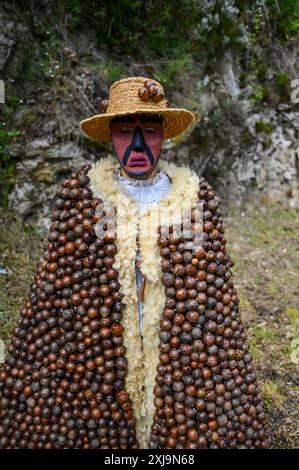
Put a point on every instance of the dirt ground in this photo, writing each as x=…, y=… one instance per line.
x=263, y=241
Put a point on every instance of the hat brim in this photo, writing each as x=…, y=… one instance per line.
x=177, y=120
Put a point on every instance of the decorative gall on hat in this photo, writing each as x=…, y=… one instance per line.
x=136, y=95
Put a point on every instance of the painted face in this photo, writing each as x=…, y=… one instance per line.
x=137, y=141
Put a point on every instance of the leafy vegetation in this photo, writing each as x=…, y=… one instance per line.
x=140, y=27
x=150, y=28
x=7, y=164
x=269, y=19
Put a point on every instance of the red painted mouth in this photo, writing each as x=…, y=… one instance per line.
x=138, y=160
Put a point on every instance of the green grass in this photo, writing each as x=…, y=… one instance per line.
x=262, y=333
x=272, y=394
x=19, y=254
x=293, y=315
x=272, y=290
x=263, y=242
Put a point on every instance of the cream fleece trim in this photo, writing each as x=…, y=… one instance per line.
x=142, y=354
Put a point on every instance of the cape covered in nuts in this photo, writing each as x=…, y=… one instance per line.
x=78, y=373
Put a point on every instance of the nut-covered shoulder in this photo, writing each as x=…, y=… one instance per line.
x=208, y=194
x=74, y=195
x=78, y=179
x=213, y=225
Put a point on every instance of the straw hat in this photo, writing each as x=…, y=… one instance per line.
x=136, y=95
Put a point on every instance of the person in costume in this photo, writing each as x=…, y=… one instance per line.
x=131, y=336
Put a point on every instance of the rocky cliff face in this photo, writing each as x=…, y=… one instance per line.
x=239, y=144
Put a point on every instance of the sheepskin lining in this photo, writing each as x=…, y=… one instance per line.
x=142, y=354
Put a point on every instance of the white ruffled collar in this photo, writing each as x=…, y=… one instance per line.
x=145, y=192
